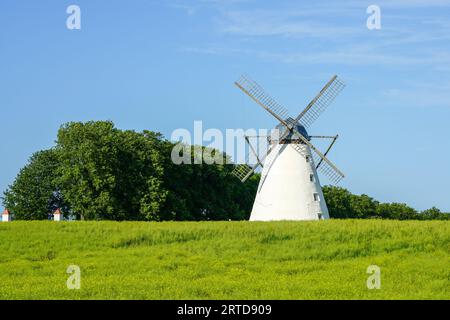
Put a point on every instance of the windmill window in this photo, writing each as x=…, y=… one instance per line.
x=316, y=197
x=307, y=158
x=311, y=177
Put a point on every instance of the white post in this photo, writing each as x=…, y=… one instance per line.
x=6, y=216
x=57, y=215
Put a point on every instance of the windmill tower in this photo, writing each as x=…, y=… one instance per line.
x=289, y=188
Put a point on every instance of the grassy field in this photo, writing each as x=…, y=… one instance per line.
x=225, y=260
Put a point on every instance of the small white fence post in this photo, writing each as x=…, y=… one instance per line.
x=57, y=215
x=6, y=216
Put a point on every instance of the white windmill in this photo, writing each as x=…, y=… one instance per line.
x=289, y=188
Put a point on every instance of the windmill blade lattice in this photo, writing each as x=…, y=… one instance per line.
x=327, y=167
x=321, y=102
x=242, y=171
x=334, y=176
x=258, y=94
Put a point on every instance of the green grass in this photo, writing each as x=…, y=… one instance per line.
x=225, y=260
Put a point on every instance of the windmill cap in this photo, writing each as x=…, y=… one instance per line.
x=301, y=129
x=6, y=211
x=57, y=211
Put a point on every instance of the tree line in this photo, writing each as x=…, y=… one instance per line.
x=342, y=204
x=98, y=172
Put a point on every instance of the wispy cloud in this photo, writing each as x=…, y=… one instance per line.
x=333, y=32
x=418, y=95
x=414, y=41
x=350, y=56
x=188, y=9
x=405, y=4
x=287, y=24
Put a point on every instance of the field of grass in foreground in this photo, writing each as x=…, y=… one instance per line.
x=225, y=260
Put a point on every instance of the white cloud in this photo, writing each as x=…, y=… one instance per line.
x=405, y=4
x=188, y=9
x=420, y=94
x=286, y=24
x=332, y=33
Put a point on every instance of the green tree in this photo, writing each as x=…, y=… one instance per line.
x=102, y=172
x=434, y=214
x=343, y=204
x=338, y=201
x=35, y=193
x=399, y=211
x=107, y=173
x=206, y=192
x=140, y=180
x=88, y=155
x=363, y=206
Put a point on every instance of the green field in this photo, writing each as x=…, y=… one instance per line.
x=225, y=260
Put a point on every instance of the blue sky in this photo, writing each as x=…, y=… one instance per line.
x=160, y=65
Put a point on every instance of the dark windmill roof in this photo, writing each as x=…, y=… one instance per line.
x=301, y=129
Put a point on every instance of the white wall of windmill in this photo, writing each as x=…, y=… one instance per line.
x=288, y=192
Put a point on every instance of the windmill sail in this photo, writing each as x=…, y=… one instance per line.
x=327, y=167
x=242, y=171
x=257, y=93
x=245, y=171
x=321, y=102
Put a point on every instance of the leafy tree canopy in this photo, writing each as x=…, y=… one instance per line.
x=104, y=173
x=35, y=194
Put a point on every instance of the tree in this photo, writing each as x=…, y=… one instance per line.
x=206, y=192
x=363, y=206
x=396, y=211
x=35, y=193
x=343, y=204
x=140, y=180
x=102, y=172
x=434, y=214
x=88, y=153
x=338, y=201
x=107, y=173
